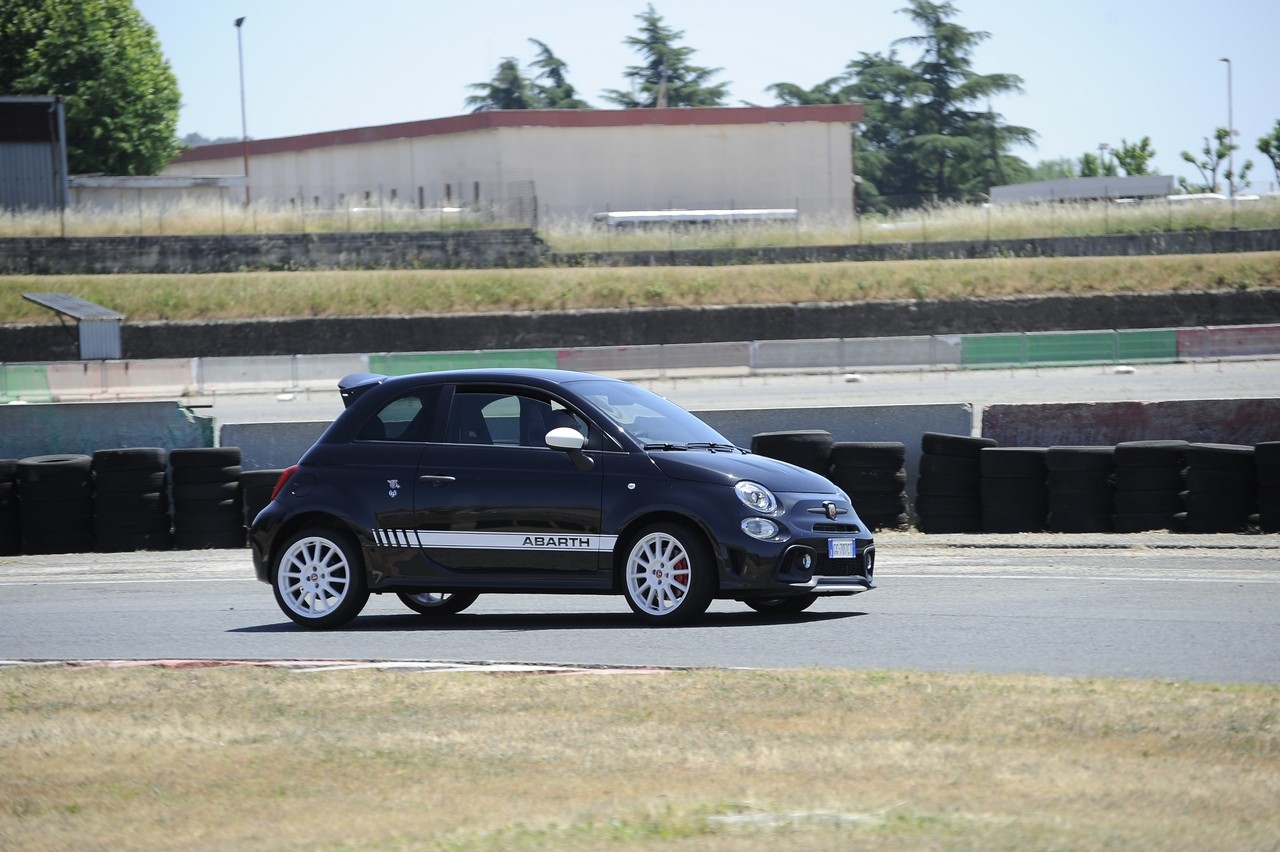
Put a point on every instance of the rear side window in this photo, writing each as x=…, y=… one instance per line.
x=405, y=418
x=512, y=419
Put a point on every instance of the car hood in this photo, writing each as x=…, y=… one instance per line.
x=724, y=468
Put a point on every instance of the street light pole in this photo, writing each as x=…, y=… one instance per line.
x=244, y=125
x=1231, y=134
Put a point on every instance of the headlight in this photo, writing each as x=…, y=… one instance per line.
x=756, y=496
x=761, y=528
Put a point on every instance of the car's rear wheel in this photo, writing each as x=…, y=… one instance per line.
x=782, y=606
x=437, y=603
x=669, y=575
x=319, y=578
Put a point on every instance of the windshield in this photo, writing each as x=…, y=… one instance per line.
x=650, y=419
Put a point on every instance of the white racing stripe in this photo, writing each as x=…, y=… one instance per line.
x=576, y=542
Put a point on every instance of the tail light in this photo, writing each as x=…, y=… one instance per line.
x=284, y=477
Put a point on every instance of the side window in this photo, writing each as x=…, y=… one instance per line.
x=507, y=419
x=405, y=418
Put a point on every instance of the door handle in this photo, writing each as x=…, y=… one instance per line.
x=437, y=479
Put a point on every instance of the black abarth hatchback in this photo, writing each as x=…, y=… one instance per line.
x=438, y=487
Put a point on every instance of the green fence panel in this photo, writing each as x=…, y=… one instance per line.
x=977, y=350
x=1151, y=346
x=1071, y=347
x=24, y=381
x=399, y=364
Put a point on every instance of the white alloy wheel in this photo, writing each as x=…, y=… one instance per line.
x=319, y=581
x=668, y=575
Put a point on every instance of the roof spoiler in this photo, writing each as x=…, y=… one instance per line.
x=352, y=387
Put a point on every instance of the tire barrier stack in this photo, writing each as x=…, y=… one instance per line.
x=872, y=473
x=256, y=487
x=10, y=517
x=1221, y=488
x=131, y=500
x=1148, y=486
x=208, y=508
x=950, y=485
x=1267, y=458
x=1081, y=481
x=55, y=494
x=806, y=448
x=1015, y=495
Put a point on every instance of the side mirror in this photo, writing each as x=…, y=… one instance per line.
x=571, y=441
x=565, y=438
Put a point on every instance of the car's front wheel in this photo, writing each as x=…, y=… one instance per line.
x=782, y=606
x=319, y=578
x=669, y=575
x=437, y=603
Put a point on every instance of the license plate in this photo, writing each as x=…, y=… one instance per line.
x=840, y=548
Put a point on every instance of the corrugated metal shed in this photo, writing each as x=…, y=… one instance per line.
x=33, y=152
x=99, y=326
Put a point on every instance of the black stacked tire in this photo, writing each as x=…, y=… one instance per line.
x=1267, y=458
x=1148, y=485
x=55, y=494
x=131, y=500
x=873, y=475
x=1222, y=488
x=949, y=490
x=1081, y=482
x=806, y=448
x=208, y=508
x=10, y=514
x=1015, y=496
x=256, y=487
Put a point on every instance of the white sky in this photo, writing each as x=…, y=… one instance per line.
x=1094, y=71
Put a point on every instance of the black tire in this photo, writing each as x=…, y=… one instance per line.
x=189, y=457
x=1237, y=457
x=1014, y=520
x=949, y=486
x=132, y=524
x=130, y=459
x=806, y=448
x=1134, y=522
x=1266, y=454
x=668, y=574
x=874, y=505
x=1149, y=479
x=782, y=606
x=1096, y=522
x=950, y=467
x=129, y=542
x=212, y=540
x=1013, y=462
x=1147, y=502
x=1150, y=453
x=1065, y=481
x=958, y=446
x=118, y=481
x=199, y=492
x=935, y=504
x=1210, y=481
x=951, y=524
x=1013, y=492
x=206, y=475
x=869, y=454
x=437, y=604
x=868, y=480
x=1080, y=458
x=56, y=492
x=66, y=467
x=318, y=578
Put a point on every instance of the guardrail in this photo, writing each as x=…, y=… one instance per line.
x=196, y=377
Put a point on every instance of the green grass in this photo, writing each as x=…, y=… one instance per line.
x=421, y=292
x=218, y=758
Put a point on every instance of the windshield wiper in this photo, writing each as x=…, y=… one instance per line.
x=666, y=446
x=712, y=446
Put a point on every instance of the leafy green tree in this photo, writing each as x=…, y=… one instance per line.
x=509, y=89
x=831, y=91
x=551, y=89
x=1135, y=157
x=925, y=132
x=667, y=78
x=120, y=95
x=1064, y=167
x=1269, y=145
x=1093, y=165
x=1215, y=155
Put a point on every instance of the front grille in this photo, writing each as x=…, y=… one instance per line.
x=836, y=528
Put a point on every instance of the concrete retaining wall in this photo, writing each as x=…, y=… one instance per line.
x=458, y=249
x=37, y=430
x=1218, y=421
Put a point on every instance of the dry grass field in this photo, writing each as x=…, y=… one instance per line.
x=415, y=292
x=235, y=757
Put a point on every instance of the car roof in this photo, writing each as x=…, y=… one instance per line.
x=520, y=375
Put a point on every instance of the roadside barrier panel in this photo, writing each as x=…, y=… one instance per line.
x=1070, y=347
x=86, y=427
x=326, y=370
x=1229, y=341
x=70, y=380
x=656, y=359
x=1228, y=421
x=271, y=445
x=28, y=382
x=263, y=372
x=403, y=363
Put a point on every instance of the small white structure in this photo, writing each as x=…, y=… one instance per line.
x=560, y=163
x=1084, y=189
